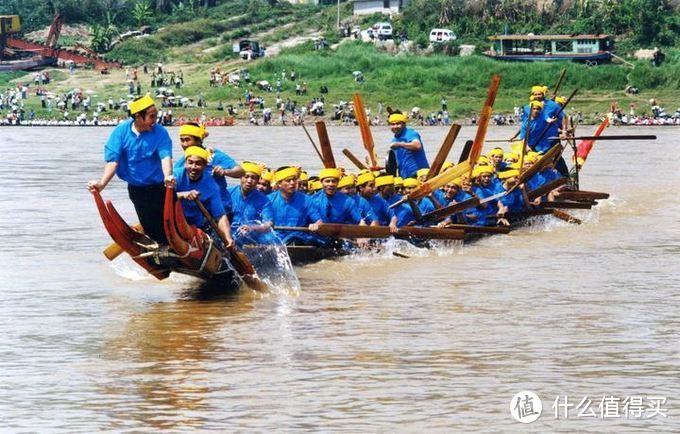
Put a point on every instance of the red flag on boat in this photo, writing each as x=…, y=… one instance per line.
x=584, y=146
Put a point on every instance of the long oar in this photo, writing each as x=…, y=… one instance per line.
x=113, y=250
x=443, y=152
x=325, y=144
x=238, y=259
x=353, y=158
x=465, y=153
x=483, y=123
x=438, y=181
x=364, y=128
x=559, y=83
x=336, y=230
x=614, y=137
x=442, y=213
x=314, y=145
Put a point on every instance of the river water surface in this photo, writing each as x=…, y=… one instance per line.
x=441, y=341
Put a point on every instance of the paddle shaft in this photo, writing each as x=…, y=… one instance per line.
x=336, y=230
x=443, y=152
x=314, y=145
x=364, y=129
x=325, y=144
x=353, y=158
x=621, y=137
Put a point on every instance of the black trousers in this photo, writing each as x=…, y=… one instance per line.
x=148, y=201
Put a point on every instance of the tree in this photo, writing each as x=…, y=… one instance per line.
x=141, y=12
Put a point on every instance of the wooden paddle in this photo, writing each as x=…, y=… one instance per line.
x=442, y=213
x=443, y=152
x=353, y=158
x=547, y=188
x=613, y=137
x=113, y=250
x=336, y=230
x=483, y=122
x=568, y=205
x=480, y=229
x=438, y=181
x=566, y=217
x=559, y=83
x=364, y=128
x=239, y=259
x=325, y=144
x=314, y=145
x=583, y=195
x=466, y=151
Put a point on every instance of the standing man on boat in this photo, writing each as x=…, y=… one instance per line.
x=193, y=183
x=406, y=148
x=139, y=151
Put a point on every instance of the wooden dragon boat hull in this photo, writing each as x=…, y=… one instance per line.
x=190, y=250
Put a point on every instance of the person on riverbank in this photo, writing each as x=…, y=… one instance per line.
x=139, y=151
x=193, y=183
x=407, y=147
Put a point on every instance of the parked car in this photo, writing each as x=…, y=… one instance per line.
x=249, y=49
x=441, y=35
x=382, y=30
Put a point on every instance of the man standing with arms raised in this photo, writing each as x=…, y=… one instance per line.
x=139, y=151
x=406, y=147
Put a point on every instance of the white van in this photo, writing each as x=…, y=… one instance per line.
x=382, y=30
x=442, y=35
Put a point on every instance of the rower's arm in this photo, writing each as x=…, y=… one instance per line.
x=166, y=165
x=413, y=145
x=225, y=228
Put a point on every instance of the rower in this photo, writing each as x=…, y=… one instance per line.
x=220, y=164
x=384, y=184
x=302, y=182
x=384, y=216
x=139, y=151
x=425, y=204
x=454, y=193
x=347, y=186
x=514, y=202
x=406, y=146
x=291, y=208
x=496, y=159
x=194, y=183
x=421, y=176
x=330, y=205
x=265, y=182
x=537, y=126
x=483, y=189
x=252, y=209
x=398, y=185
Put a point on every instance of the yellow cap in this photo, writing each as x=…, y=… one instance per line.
x=397, y=117
x=411, y=182
x=538, y=104
x=495, y=151
x=508, y=174
x=192, y=130
x=364, y=178
x=251, y=167
x=330, y=172
x=267, y=175
x=561, y=100
x=480, y=170
x=140, y=104
x=384, y=180
x=346, y=181
x=422, y=172
x=536, y=89
x=197, y=151
x=288, y=172
x=398, y=181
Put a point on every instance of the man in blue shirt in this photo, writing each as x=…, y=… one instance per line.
x=194, y=183
x=330, y=205
x=407, y=147
x=252, y=209
x=139, y=151
x=220, y=165
x=384, y=216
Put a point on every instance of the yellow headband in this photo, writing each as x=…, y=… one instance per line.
x=252, y=168
x=346, y=181
x=397, y=117
x=480, y=170
x=267, y=175
x=197, y=151
x=510, y=156
x=365, y=178
x=142, y=103
x=495, y=151
x=457, y=182
x=561, y=100
x=384, y=180
x=508, y=174
x=315, y=185
x=536, y=89
x=288, y=172
x=398, y=181
x=192, y=130
x=304, y=176
x=538, y=104
x=422, y=172
x=330, y=172
x=411, y=182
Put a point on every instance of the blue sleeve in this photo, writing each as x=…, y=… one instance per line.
x=353, y=212
x=313, y=207
x=165, y=143
x=267, y=212
x=112, y=148
x=179, y=164
x=223, y=160
x=213, y=199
